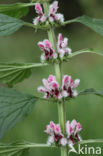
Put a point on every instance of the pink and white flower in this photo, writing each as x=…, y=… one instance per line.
x=53, y=15
x=41, y=18
x=68, y=86
x=63, y=50
x=56, y=136
x=51, y=88
x=46, y=47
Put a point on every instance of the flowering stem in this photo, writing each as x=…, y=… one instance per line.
x=57, y=67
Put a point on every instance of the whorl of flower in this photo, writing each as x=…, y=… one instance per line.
x=52, y=14
x=51, y=88
x=49, y=54
x=56, y=136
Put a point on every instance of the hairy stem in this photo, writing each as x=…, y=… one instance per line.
x=57, y=68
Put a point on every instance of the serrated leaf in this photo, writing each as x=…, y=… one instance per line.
x=16, y=10
x=91, y=91
x=93, y=23
x=9, y=25
x=12, y=73
x=14, y=106
x=92, y=51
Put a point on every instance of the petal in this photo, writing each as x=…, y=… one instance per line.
x=69, y=128
x=55, y=55
x=65, y=80
x=46, y=84
x=76, y=83
x=54, y=85
x=42, y=58
x=41, y=89
x=64, y=93
x=65, y=43
x=36, y=20
x=73, y=123
x=59, y=17
x=51, y=140
x=51, y=19
x=60, y=39
x=51, y=78
x=53, y=8
x=47, y=43
x=68, y=51
x=43, y=18
x=57, y=129
x=75, y=93
x=48, y=129
x=78, y=127
x=38, y=8
x=70, y=81
x=63, y=141
x=52, y=125
x=41, y=45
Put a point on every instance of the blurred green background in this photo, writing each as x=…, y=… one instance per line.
x=22, y=47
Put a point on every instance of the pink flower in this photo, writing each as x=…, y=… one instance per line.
x=51, y=88
x=63, y=50
x=69, y=129
x=38, y=9
x=68, y=86
x=46, y=47
x=41, y=18
x=53, y=15
x=56, y=136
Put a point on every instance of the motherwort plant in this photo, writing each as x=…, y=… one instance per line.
x=57, y=88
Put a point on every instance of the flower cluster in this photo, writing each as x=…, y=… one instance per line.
x=52, y=16
x=51, y=88
x=70, y=138
x=49, y=54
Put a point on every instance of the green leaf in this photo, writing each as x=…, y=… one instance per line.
x=91, y=141
x=16, y=10
x=14, y=149
x=91, y=91
x=92, y=51
x=14, y=106
x=16, y=72
x=94, y=24
x=9, y=25
x=19, y=148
